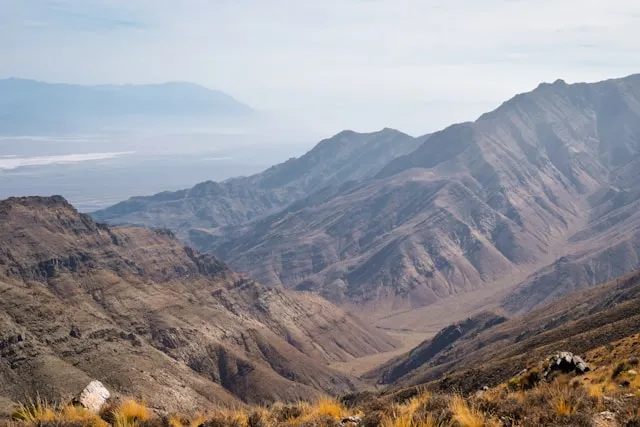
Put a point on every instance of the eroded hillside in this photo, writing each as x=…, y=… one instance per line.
x=147, y=316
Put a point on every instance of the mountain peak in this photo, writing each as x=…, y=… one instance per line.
x=34, y=201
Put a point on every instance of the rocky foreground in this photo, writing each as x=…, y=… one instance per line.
x=601, y=390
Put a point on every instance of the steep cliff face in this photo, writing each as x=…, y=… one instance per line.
x=136, y=310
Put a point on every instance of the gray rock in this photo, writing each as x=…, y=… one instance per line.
x=608, y=415
x=351, y=420
x=75, y=332
x=566, y=362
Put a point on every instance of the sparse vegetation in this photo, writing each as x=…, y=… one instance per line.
x=130, y=413
x=35, y=411
x=612, y=388
x=467, y=416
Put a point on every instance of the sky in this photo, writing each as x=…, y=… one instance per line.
x=414, y=65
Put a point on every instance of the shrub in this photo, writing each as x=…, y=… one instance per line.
x=287, y=413
x=514, y=383
x=620, y=368
x=373, y=419
x=257, y=419
x=530, y=379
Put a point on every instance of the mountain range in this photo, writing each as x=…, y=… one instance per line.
x=487, y=238
x=157, y=321
x=347, y=157
x=528, y=203
x=142, y=313
x=33, y=107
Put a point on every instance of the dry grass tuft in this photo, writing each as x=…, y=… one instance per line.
x=35, y=411
x=130, y=413
x=329, y=407
x=465, y=415
x=176, y=420
x=405, y=415
x=563, y=407
x=79, y=414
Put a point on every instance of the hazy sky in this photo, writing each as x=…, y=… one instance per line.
x=416, y=65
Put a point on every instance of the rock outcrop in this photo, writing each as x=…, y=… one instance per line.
x=565, y=362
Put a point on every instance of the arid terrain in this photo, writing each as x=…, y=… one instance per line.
x=378, y=280
x=530, y=202
x=484, y=371
x=137, y=310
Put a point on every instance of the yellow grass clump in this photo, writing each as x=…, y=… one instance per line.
x=129, y=413
x=79, y=414
x=176, y=420
x=35, y=411
x=563, y=407
x=329, y=407
x=405, y=415
x=325, y=407
x=465, y=415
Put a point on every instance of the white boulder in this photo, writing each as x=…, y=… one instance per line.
x=93, y=397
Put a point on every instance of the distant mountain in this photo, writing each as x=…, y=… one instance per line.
x=477, y=205
x=347, y=156
x=28, y=106
x=539, y=195
x=148, y=317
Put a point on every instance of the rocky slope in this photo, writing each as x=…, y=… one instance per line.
x=607, y=246
x=474, y=204
x=345, y=157
x=488, y=353
x=136, y=310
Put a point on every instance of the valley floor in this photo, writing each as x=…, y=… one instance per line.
x=407, y=339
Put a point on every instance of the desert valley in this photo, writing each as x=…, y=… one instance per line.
x=484, y=274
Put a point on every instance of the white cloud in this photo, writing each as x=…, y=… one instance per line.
x=363, y=64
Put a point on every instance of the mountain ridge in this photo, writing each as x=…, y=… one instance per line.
x=514, y=185
x=506, y=195
x=236, y=200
